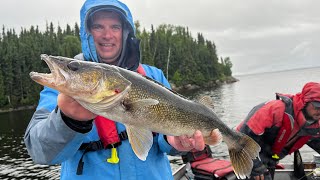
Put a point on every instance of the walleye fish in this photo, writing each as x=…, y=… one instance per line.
x=144, y=106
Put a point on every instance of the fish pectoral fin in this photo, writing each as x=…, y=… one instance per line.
x=140, y=104
x=141, y=141
x=207, y=101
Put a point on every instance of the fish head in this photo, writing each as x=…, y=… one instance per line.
x=85, y=81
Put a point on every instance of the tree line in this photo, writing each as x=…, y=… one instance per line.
x=183, y=58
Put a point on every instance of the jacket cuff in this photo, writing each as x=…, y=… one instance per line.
x=78, y=126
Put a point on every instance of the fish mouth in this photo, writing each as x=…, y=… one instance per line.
x=57, y=75
x=60, y=77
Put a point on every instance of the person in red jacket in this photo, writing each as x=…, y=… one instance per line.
x=283, y=126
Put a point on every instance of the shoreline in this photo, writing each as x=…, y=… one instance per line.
x=6, y=110
x=210, y=84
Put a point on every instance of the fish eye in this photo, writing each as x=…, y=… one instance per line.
x=73, y=66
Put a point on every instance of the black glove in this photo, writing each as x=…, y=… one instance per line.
x=258, y=168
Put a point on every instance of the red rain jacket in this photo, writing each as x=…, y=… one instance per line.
x=266, y=122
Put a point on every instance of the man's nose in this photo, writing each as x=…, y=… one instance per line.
x=107, y=33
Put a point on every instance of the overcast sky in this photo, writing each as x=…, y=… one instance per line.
x=258, y=35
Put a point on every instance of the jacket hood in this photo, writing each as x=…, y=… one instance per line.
x=91, y=6
x=310, y=92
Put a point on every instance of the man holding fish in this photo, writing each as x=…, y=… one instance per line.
x=88, y=146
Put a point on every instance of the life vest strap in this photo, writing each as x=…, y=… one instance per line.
x=98, y=145
x=92, y=146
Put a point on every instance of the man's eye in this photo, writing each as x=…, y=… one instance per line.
x=116, y=27
x=97, y=28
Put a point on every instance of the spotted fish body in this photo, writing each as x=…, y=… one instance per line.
x=144, y=106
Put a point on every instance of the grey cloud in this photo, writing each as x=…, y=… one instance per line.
x=256, y=34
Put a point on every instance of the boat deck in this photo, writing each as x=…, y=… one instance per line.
x=184, y=173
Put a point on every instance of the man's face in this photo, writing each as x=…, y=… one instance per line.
x=106, y=30
x=313, y=112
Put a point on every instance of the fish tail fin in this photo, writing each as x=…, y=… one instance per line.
x=242, y=154
x=214, y=138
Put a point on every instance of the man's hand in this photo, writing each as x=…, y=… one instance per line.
x=184, y=143
x=259, y=171
x=71, y=108
x=260, y=177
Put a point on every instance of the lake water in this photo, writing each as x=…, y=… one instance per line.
x=232, y=103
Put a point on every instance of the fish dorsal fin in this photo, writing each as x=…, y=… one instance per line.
x=139, y=104
x=141, y=141
x=207, y=101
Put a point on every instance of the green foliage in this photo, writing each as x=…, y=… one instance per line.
x=20, y=54
x=2, y=94
x=191, y=60
x=183, y=59
x=70, y=46
x=177, y=78
x=227, y=66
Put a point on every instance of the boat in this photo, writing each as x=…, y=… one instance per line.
x=202, y=165
x=312, y=172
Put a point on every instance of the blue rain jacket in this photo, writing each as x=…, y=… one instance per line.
x=50, y=141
